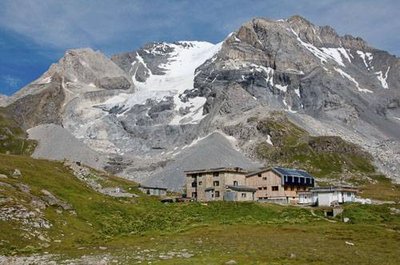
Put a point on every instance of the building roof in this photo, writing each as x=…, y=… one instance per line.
x=242, y=188
x=219, y=169
x=333, y=189
x=289, y=175
x=153, y=188
x=291, y=172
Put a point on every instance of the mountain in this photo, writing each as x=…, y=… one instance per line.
x=154, y=112
x=3, y=100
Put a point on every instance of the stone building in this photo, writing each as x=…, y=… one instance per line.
x=239, y=193
x=211, y=184
x=153, y=191
x=275, y=184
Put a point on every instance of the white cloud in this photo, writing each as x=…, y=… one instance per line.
x=10, y=81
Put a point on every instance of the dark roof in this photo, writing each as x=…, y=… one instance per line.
x=291, y=172
x=261, y=170
x=219, y=169
x=153, y=188
x=283, y=172
x=242, y=188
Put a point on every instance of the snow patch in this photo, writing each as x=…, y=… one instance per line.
x=297, y=91
x=269, y=140
x=383, y=78
x=350, y=78
x=281, y=88
x=335, y=54
x=179, y=73
x=367, y=59
x=325, y=54
x=45, y=80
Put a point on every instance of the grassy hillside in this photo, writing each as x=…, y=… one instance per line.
x=128, y=228
x=324, y=156
x=95, y=217
x=13, y=138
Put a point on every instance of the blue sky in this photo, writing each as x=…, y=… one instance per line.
x=35, y=33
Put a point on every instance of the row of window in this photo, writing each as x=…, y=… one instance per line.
x=215, y=183
x=215, y=174
x=273, y=188
x=299, y=180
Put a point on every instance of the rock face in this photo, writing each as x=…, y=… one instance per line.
x=142, y=108
x=82, y=76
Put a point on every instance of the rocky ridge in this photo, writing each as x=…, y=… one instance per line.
x=142, y=109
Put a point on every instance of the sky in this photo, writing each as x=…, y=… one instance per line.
x=36, y=33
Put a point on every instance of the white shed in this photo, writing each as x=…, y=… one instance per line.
x=328, y=196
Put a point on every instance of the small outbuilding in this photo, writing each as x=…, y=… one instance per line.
x=239, y=193
x=153, y=191
x=328, y=196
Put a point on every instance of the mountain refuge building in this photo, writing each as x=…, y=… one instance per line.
x=273, y=184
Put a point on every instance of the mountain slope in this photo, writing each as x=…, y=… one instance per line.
x=139, y=109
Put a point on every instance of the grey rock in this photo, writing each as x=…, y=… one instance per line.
x=119, y=82
x=57, y=143
x=23, y=187
x=17, y=173
x=52, y=200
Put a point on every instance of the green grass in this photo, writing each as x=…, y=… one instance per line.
x=250, y=233
x=324, y=156
x=13, y=138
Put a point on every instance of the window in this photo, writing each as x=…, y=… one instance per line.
x=216, y=183
x=259, y=175
x=264, y=188
x=301, y=180
x=243, y=195
x=200, y=182
x=216, y=194
x=290, y=179
x=296, y=179
x=275, y=188
x=259, y=188
x=216, y=174
x=264, y=178
x=307, y=181
x=194, y=194
x=194, y=184
x=291, y=188
x=235, y=183
x=348, y=194
x=194, y=176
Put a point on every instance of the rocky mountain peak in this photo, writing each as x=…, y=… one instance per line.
x=188, y=90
